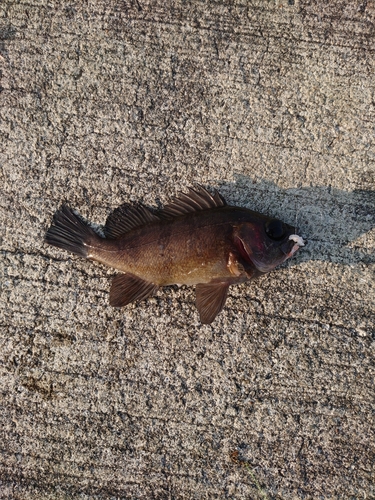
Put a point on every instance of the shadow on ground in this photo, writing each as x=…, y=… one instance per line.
x=335, y=222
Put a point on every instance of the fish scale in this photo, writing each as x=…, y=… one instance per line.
x=197, y=239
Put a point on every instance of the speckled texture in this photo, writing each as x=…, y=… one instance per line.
x=272, y=103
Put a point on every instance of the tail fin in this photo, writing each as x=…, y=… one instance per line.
x=68, y=231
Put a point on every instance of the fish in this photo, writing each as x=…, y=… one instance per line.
x=196, y=239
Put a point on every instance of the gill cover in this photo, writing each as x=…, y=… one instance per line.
x=264, y=242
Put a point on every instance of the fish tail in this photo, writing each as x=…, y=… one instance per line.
x=70, y=232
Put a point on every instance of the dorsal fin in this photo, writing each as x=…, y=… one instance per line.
x=127, y=217
x=196, y=199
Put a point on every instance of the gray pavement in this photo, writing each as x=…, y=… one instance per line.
x=273, y=103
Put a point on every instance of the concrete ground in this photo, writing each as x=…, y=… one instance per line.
x=271, y=102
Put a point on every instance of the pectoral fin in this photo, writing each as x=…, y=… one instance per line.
x=210, y=300
x=127, y=288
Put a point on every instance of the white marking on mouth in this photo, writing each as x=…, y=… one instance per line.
x=297, y=239
x=298, y=242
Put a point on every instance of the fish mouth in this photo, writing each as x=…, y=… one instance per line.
x=298, y=243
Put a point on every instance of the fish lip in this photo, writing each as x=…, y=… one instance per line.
x=298, y=243
x=294, y=249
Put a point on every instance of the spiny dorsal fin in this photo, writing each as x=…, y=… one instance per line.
x=210, y=299
x=195, y=200
x=127, y=217
x=127, y=288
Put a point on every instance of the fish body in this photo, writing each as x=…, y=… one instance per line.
x=189, y=249
x=195, y=240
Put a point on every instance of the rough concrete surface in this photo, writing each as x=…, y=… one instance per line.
x=271, y=102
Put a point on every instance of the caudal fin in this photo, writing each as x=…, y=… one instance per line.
x=68, y=231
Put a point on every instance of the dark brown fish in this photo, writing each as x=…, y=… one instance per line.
x=197, y=239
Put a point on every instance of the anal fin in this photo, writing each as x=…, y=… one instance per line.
x=127, y=288
x=210, y=299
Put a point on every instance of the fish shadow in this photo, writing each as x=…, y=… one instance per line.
x=335, y=223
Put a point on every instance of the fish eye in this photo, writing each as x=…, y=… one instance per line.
x=275, y=229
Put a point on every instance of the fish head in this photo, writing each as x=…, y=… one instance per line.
x=265, y=242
